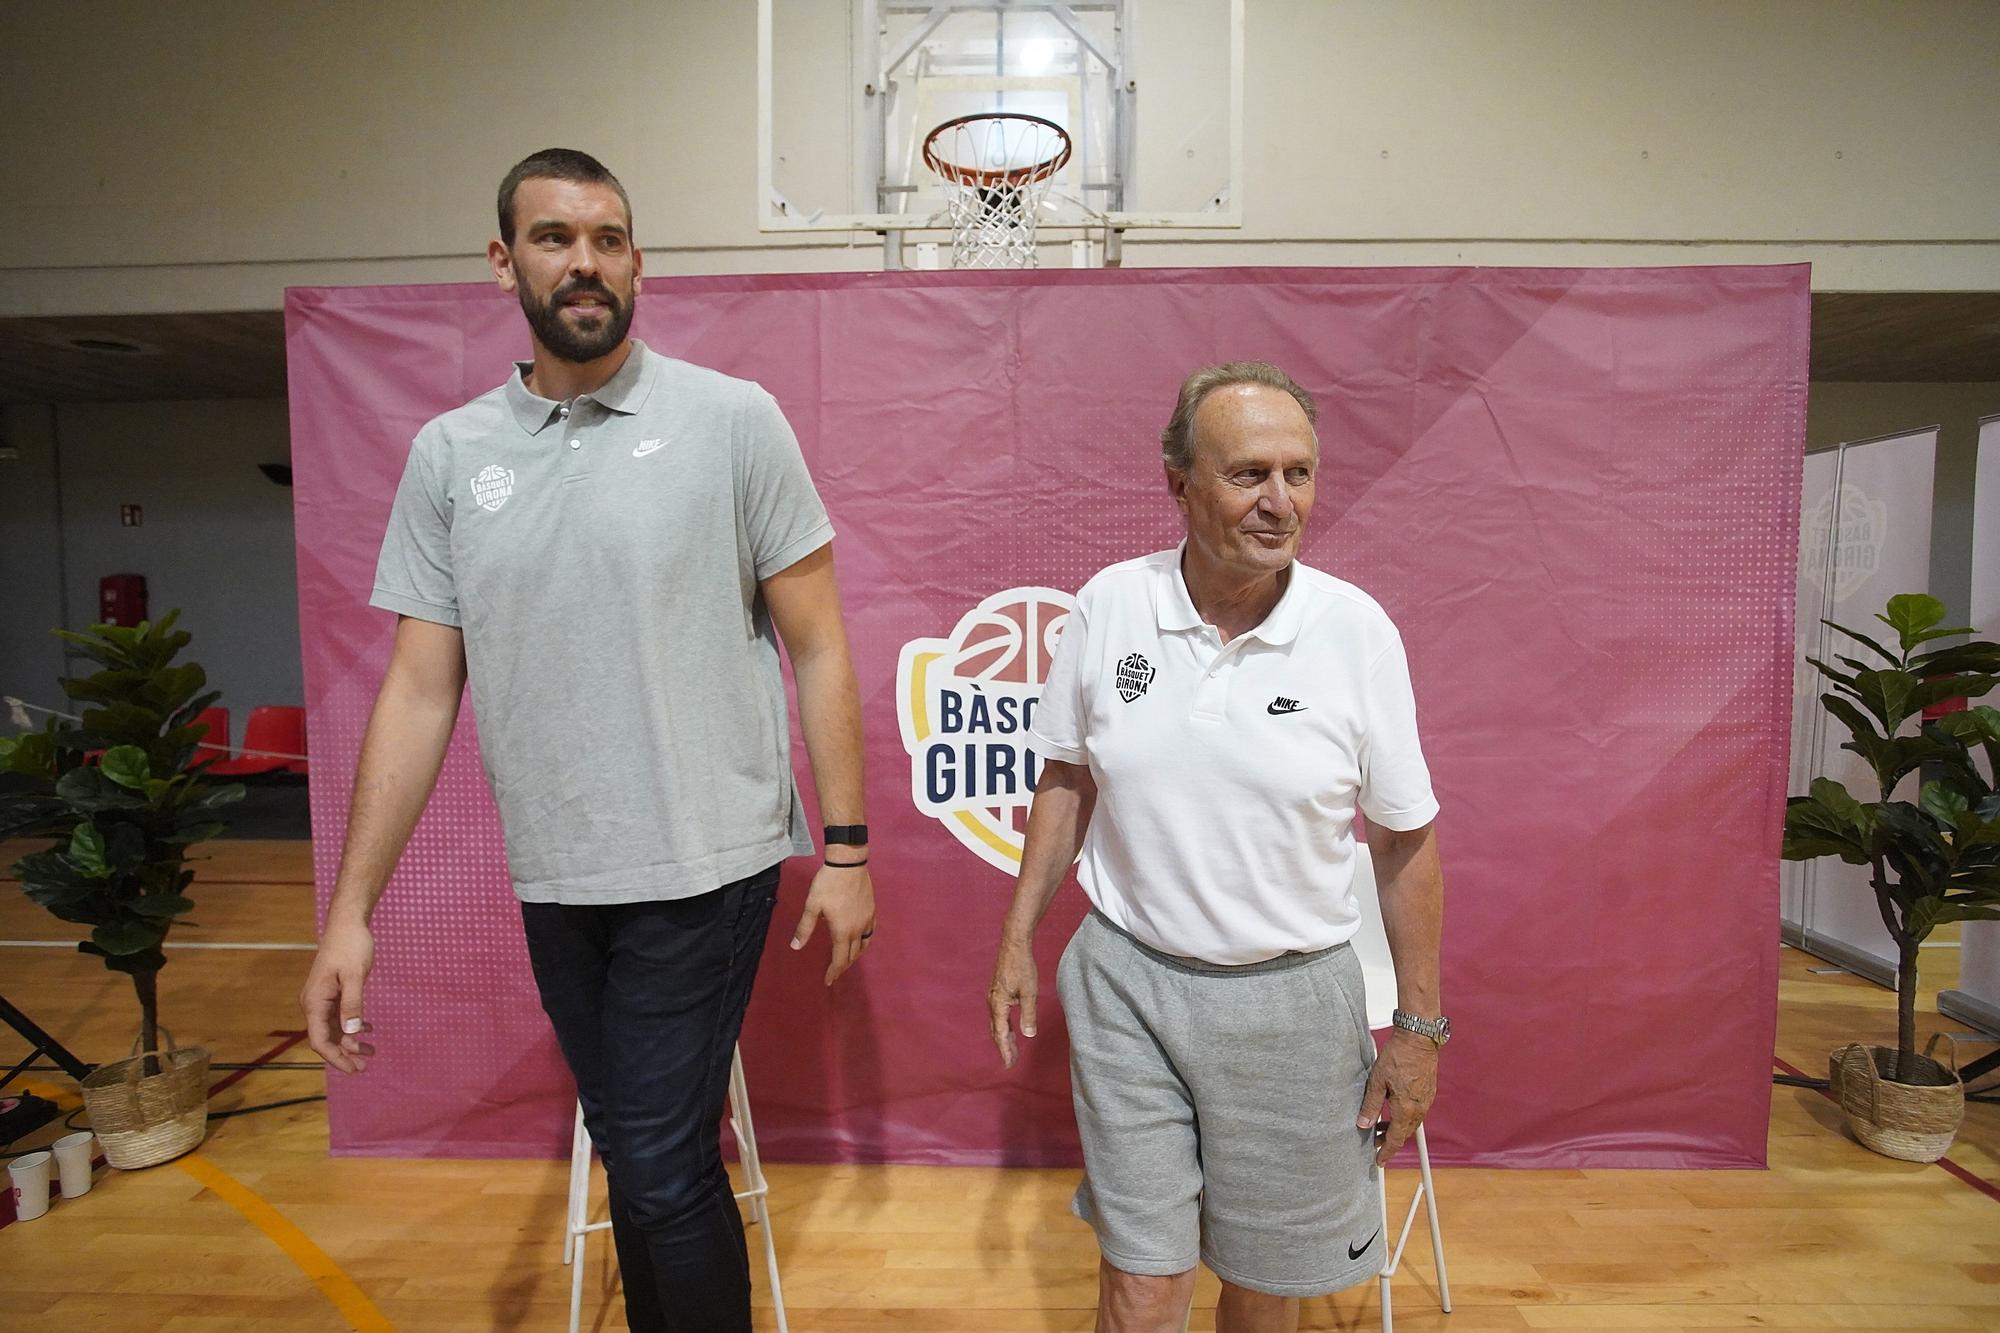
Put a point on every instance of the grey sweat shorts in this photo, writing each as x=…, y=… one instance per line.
x=1216, y=1106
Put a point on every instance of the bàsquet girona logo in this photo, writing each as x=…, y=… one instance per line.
x=965, y=703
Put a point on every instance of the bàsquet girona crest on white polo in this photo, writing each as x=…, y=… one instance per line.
x=492, y=486
x=965, y=702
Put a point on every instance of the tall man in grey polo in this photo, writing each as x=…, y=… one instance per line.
x=608, y=548
x=601, y=558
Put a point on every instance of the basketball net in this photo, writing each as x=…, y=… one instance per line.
x=997, y=168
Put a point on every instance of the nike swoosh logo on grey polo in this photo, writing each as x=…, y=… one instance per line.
x=648, y=447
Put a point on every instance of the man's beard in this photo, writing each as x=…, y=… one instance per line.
x=569, y=342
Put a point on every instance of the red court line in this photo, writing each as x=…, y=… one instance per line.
x=1986, y=1187
x=291, y=1039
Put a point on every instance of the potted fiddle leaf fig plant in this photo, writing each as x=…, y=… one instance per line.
x=121, y=797
x=1931, y=860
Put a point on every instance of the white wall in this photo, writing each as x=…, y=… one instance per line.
x=30, y=579
x=203, y=159
x=216, y=539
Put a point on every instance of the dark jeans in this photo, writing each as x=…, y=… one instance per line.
x=647, y=1000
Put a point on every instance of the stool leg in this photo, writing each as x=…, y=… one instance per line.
x=756, y=1187
x=1382, y=1201
x=1431, y=1212
x=576, y=1287
x=579, y=1187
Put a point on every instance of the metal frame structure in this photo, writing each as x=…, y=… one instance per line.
x=873, y=100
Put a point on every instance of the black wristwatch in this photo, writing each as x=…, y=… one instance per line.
x=851, y=835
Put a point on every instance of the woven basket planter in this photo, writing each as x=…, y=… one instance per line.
x=1913, y=1122
x=143, y=1120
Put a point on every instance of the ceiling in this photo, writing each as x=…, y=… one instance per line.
x=1930, y=336
x=236, y=354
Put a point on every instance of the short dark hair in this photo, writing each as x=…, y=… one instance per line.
x=560, y=164
x=1177, y=440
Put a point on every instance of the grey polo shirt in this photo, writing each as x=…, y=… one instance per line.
x=602, y=557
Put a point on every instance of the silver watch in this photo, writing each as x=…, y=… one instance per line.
x=1437, y=1029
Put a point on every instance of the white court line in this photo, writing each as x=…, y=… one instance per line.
x=170, y=944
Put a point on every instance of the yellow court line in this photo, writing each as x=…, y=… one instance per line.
x=335, y=1285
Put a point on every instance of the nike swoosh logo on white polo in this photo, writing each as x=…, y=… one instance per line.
x=648, y=447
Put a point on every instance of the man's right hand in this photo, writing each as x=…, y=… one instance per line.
x=1014, y=982
x=331, y=996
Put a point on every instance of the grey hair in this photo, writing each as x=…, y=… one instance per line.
x=1177, y=440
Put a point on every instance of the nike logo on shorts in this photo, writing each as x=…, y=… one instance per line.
x=1356, y=1251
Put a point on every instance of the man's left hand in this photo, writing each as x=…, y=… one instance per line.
x=845, y=898
x=1405, y=1078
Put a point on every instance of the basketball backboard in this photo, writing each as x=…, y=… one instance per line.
x=849, y=90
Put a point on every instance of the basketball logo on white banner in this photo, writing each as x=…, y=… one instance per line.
x=965, y=702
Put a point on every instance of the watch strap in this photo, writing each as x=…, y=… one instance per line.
x=1438, y=1029
x=852, y=835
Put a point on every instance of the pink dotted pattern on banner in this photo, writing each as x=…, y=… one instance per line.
x=1576, y=491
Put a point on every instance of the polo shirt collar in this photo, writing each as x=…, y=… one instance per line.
x=1175, y=608
x=624, y=393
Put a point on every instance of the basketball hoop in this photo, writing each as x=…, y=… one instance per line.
x=997, y=166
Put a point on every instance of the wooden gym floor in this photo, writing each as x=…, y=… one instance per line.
x=261, y=1229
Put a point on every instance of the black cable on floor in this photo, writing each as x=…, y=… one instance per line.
x=267, y=1106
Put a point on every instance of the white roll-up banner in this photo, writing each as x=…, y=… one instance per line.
x=1977, y=997
x=1822, y=471
x=1871, y=528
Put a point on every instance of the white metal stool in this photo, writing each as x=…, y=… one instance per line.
x=756, y=1189
x=1378, y=972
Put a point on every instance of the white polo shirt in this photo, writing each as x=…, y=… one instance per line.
x=1228, y=774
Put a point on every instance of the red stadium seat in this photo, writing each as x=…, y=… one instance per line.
x=215, y=745
x=282, y=730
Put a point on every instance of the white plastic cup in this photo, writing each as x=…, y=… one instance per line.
x=30, y=1176
x=73, y=1153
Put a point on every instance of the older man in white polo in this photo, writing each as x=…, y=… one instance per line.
x=1215, y=716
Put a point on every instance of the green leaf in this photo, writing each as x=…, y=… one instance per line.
x=1965, y=685
x=1943, y=804
x=127, y=936
x=1926, y=915
x=126, y=765
x=1912, y=841
x=160, y=906
x=1949, y=632
x=1838, y=677
x=31, y=754
x=1911, y=614
x=124, y=848
x=86, y=851
x=137, y=963
x=1835, y=797
x=1880, y=651
x=35, y=815
x=185, y=715
x=1827, y=823
x=189, y=834
x=1980, y=657
x=1857, y=721
x=90, y=791
x=1972, y=724
x=96, y=648
x=1886, y=694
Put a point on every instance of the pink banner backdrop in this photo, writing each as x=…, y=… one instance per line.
x=1575, y=490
